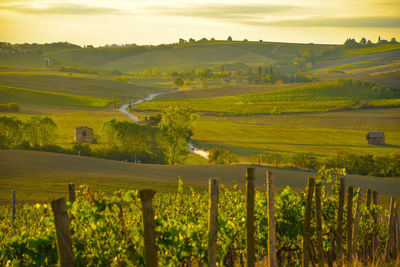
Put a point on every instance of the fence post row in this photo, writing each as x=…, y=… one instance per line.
x=13, y=208
x=357, y=219
x=307, y=223
x=318, y=217
x=212, y=222
x=390, y=249
x=375, y=240
x=339, y=231
x=271, y=220
x=146, y=196
x=250, y=191
x=367, y=238
x=349, y=228
x=71, y=193
x=63, y=235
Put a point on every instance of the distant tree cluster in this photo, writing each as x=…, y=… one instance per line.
x=36, y=133
x=77, y=70
x=221, y=156
x=164, y=138
x=381, y=166
x=352, y=43
x=10, y=107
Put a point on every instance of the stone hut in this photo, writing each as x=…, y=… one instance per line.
x=83, y=134
x=376, y=138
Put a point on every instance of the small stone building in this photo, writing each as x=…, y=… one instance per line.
x=376, y=138
x=83, y=134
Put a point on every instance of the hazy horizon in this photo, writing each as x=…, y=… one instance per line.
x=155, y=22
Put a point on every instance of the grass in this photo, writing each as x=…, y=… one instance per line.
x=41, y=176
x=77, y=84
x=320, y=97
x=321, y=133
x=67, y=118
x=30, y=96
x=371, y=50
x=185, y=56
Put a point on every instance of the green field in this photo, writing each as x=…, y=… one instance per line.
x=371, y=50
x=79, y=84
x=323, y=134
x=186, y=56
x=30, y=96
x=319, y=97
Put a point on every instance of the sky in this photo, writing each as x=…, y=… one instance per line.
x=101, y=22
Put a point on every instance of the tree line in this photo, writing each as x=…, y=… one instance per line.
x=164, y=138
x=381, y=166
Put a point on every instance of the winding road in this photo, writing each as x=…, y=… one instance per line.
x=124, y=109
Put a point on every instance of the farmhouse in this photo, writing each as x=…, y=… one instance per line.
x=376, y=138
x=83, y=134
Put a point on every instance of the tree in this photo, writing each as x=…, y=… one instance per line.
x=221, y=156
x=178, y=82
x=182, y=41
x=393, y=40
x=230, y=39
x=363, y=41
x=191, y=40
x=10, y=132
x=40, y=131
x=175, y=132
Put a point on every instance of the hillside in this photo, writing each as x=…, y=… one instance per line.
x=319, y=97
x=184, y=56
x=42, y=175
x=79, y=84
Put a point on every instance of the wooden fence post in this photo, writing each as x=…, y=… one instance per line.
x=271, y=220
x=63, y=235
x=357, y=219
x=339, y=231
x=318, y=217
x=392, y=231
x=250, y=196
x=307, y=223
x=13, y=208
x=212, y=222
x=367, y=239
x=375, y=241
x=349, y=225
x=146, y=196
x=71, y=193
x=397, y=227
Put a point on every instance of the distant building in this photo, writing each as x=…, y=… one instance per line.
x=83, y=134
x=376, y=138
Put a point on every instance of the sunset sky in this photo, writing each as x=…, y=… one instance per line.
x=103, y=22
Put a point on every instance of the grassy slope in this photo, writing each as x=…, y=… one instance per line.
x=321, y=133
x=307, y=98
x=43, y=176
x=190, y=56
x=80, y=84
x=29, y=96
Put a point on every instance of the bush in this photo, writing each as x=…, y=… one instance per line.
x=12, y=107
x=221, y=156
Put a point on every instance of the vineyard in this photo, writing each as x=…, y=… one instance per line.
x=226, y=227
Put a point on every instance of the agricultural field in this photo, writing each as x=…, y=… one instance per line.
x=320, y=97
x=324, y=134
x=24, y=172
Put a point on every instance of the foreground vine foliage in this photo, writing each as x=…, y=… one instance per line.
x=107, y=230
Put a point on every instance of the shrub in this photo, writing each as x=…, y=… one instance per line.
x=12, y=106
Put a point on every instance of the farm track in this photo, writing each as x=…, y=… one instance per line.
x=29, y=170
